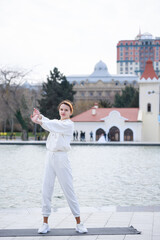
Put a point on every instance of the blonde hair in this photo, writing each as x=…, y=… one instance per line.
x=68, y=103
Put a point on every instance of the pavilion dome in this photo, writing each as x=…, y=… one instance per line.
x=146, y=35
x=100, y=69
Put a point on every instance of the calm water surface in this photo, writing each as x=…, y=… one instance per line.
x=103, y=176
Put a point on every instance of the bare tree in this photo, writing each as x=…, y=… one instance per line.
x=13, y=97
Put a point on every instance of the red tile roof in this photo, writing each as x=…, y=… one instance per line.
x=129, y=113
x=149, y=71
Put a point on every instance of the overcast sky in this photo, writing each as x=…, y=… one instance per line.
x=72, y=35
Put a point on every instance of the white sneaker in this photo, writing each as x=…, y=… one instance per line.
x=81, y=228
x=44, y=228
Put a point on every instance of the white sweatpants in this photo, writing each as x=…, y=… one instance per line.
x=57, y=164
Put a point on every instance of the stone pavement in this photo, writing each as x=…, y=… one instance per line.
x=143, y=219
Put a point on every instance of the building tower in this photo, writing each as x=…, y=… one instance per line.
x=149, y=103
x=133, y=54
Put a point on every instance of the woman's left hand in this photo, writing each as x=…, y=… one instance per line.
x=35, y=119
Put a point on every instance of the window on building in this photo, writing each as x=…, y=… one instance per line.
x=149, y=107
x=125, y=83
x=121, y=54
x=128, y=135
x=130, y=63
x=126, y=44
x=82, y=94
x=131, y=48
x=156, y=63
x=74, y=83
x=126, y=63
x=114, y=134
x=121, y=64
x=91, y=93
x=126, y=53
x=121, y=58
x=82, y=83
x=121, y=69
x=131, y=68
x=136, y=48
x=126, y=68
x=116, y=83
x=136, y=58
x=131, y=58
x=131, y=53
x=126, y=58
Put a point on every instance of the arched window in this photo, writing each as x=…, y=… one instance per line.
x=74, y=83
x=128, y=135
x=82, y=83
x=148, y=107
x=99, y=132
x=114, y=134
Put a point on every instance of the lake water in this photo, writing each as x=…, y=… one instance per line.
x=103, y=176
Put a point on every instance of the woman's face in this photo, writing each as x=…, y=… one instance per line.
x=64, y=111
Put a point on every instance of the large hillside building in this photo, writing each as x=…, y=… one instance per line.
x=133, y=54
x=100, y=85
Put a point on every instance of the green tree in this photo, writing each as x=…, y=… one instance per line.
x=55, y=90
x=128, y=98
x=105, y=104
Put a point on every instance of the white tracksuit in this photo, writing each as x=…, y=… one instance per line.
x=57, y=164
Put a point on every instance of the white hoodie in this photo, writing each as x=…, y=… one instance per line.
x=61, y=133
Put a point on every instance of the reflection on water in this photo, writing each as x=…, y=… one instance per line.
x=103, y=175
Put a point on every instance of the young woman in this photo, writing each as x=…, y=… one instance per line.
x=57, y=163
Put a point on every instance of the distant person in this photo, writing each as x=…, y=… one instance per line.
x=76, y=135
x=81, y=136
x=84, y=136
x=109, y=137
x=57, y=163
x=91, y=136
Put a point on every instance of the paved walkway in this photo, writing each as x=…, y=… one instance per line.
x=143, y=219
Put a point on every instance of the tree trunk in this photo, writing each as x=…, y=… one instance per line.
x=24, y=135
x=23, y=124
